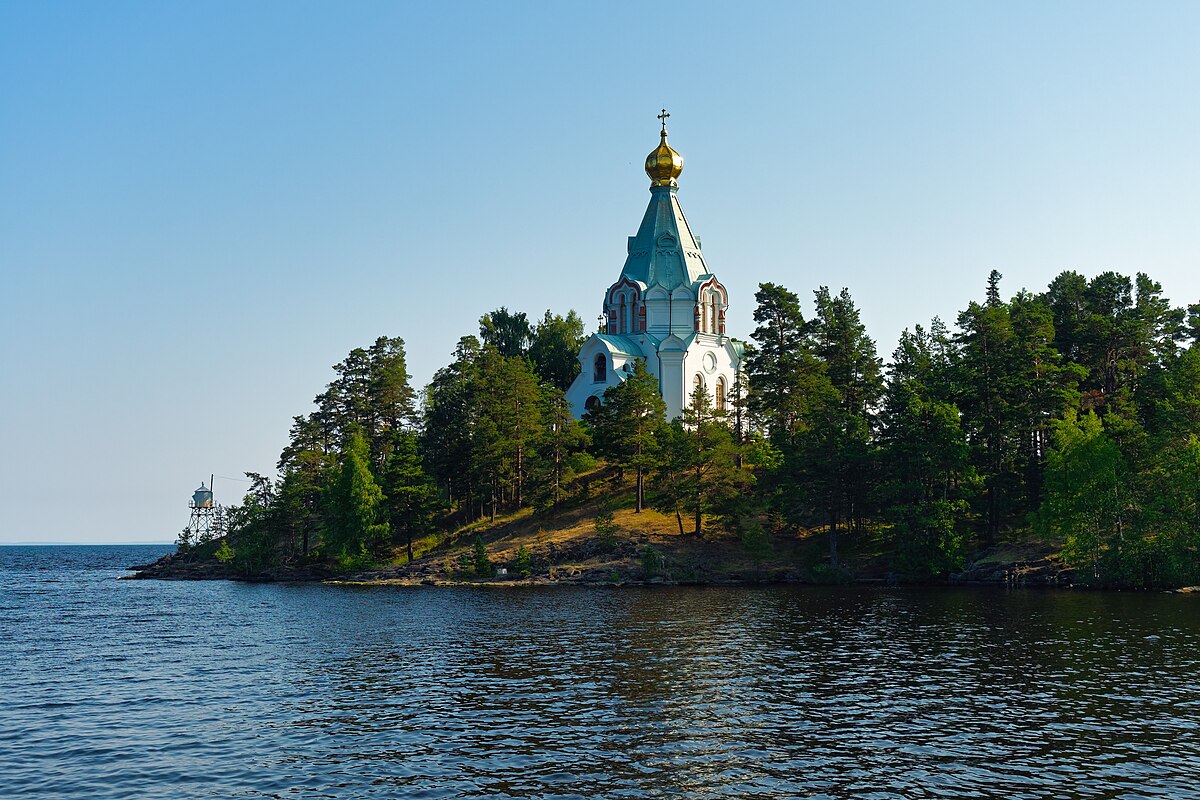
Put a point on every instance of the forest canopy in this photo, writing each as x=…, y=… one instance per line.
x=1070, y=416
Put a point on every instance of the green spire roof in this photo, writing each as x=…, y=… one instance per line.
x=664, y=251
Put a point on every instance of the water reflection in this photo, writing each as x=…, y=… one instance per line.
x=227, y=690
x=768, y=693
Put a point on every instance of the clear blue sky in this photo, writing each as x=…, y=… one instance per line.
x=205, y=205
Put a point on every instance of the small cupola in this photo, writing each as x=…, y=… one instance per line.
x=664, y=164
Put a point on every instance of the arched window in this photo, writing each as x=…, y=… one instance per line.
x=591, y=403
x=720, y=394
x=622, y=323
x=698, y=382
x=712, y=316
x=600, y=369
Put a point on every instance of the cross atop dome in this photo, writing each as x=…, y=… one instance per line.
x=666, y=308
x=664, y=164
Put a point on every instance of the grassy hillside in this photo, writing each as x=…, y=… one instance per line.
x=568, y=546
x=596, y=537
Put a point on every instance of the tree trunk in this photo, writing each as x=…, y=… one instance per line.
x=520, y=475
x=640, y=492
x=992, y=526
x=408, y=542
x=833, y=555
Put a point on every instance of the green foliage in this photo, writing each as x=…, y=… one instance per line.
x=626, y=426
x=480, y=560
x=1073, y=414
x=463, y=566
x=701, y=469
x=578, y=463
x=814, y=386
x=507, y=332
x=830, y=574
x=925, y=473
x=523, y=565
x=781, y=365
x=447, y=439
x=224, y=553
x=253, y=528
x=1089, y=501
x=349, y=560
x=754, y=540
x=559, y=446
x=840, y=340
x=355, y=515
x=506, y=427
x=926, y=540
x=412, y=502
x=653, y=561
x=606, y=529
x=554, y=347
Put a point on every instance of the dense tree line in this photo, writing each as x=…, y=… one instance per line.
x=1072, y=415
x=1068, y=415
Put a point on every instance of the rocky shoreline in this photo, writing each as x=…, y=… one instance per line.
x=1023, y=566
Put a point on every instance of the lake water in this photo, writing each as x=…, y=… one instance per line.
x=148, y=689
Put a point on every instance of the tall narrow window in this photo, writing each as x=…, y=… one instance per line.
x=712, y=317
x=600, y=369
x=720, y=394
x=698, y=382
x=623, y=323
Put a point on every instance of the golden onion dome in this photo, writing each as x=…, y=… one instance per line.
x=664, y=164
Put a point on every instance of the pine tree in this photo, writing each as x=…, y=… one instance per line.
x=412, y=499
x=625, y=426
x=506, y=426
x=840, y=341
x=355, y=511
x=710, y=475
x=925, y=473
x=446, y=431
x=390, y=397
x=986, y=396
x=780, y=365
x=562, y=436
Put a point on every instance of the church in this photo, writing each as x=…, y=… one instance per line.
x=667, y=308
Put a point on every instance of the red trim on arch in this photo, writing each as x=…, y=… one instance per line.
x=621, y=284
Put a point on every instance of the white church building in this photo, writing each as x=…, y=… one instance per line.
x=667, y=307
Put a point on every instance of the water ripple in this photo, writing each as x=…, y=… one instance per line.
x=217, y=690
